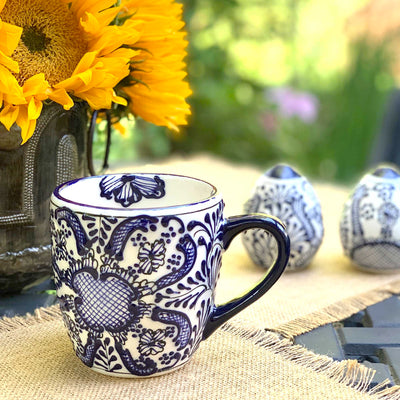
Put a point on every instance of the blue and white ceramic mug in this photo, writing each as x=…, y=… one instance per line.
x=136, y=259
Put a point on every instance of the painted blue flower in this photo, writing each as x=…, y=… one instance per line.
x=385, y=191
x=367, y=211
x=151, y=256
x=59, y=246
x=151, y=342
x=129, y=189
x=388, y=214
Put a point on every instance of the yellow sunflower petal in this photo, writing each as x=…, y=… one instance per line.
x=119, y=100
x=120, y=128
x=105, y=17
x=8, y=116
x=95, y=78
x=8, y=62
x=159, y=108
x=34, y=108
x=36, y=86
x=86, y=62
x=98, y=98
x=27, y=125
x=93, y=24
x=61, y=96
x=79, y=7
x=112, y=38
x=10, y=36
x=123, y=54
x=159, y=96
x=90, y=24
x=9, y=87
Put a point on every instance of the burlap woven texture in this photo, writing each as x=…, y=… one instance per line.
x=247, y=358
x=37, y=362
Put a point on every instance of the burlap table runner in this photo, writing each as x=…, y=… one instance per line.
x=250, y=357
x=37, y=362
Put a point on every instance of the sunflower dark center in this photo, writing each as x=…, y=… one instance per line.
x=52, y=41
x=34, y=39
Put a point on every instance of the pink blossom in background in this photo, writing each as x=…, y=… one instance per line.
x=292, y=103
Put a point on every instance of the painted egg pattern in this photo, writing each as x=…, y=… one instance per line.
x=370, y=223
x=285, y=194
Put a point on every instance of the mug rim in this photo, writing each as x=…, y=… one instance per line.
x=58, y=200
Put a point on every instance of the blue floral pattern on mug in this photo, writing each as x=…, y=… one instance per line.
x=129, y=189
x=124, y=313
x=151, y=256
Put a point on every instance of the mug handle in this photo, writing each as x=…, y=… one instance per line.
x=232, y=226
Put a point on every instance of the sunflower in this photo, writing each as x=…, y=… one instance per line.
x=63, y=50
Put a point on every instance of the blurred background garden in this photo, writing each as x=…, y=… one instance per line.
x=307, y=82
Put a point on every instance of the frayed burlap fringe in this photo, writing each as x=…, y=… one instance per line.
x=337, y=311
x=39, y=316
x=347, y=372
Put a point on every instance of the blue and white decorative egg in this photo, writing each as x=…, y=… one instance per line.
x=370, y=223
x=284, y=193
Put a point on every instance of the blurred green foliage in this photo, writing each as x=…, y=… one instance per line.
x=240, y=48
x=338, y=145
x=352, y=113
